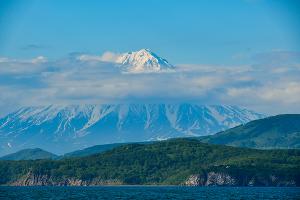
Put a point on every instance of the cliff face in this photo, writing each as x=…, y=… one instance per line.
x=31, y=179
x=224, y=179
x=211, y=179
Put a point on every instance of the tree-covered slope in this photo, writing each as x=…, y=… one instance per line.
x=168, y=162
x=92, y=150
x=281, y=131
x=29, y=154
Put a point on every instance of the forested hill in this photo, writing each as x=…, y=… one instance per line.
x=281, y=131
x=29, y=154
x=177, y=161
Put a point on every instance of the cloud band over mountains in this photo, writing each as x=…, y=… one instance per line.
x=267, y=85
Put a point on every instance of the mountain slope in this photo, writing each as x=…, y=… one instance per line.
x=92, y=150
x=29, y=154
x=62, y=129
x=175, y=161
x=96, y=149
x=281, y=131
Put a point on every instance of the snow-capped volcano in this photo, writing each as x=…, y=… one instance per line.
x=143, y=61
x=60, y=129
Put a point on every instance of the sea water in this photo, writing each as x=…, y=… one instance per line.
x=149, y=192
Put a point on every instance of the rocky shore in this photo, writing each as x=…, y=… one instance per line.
x=224, y=179
x=208, y=179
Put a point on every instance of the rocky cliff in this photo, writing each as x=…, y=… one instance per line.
x=224, y=179
x=31, y=179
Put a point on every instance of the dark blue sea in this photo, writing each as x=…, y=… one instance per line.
x=148, y=192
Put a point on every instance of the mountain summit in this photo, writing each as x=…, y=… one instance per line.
x=143, y=61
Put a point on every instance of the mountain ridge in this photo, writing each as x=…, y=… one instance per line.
x=68, y=128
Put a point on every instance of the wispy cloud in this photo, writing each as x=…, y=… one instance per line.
x=105, y=57
x=277, y=58
x=32, y=47
x=16, y=66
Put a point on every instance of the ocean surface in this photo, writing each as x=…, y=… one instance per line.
x=149, y=192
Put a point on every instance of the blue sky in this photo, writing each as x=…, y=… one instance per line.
x=184, y=31
x=238, y=52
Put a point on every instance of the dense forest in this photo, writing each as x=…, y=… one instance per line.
x=167, y=162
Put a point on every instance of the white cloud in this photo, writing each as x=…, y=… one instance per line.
x=22, y=66
x=105, y=57
x=3, y=60
x=213, y=68
x=110, y=56
x=38, y=60
x=287, y=93
x=275, y=96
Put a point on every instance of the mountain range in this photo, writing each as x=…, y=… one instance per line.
x=276, y=132
x=61, y=129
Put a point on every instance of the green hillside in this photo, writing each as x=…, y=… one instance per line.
x=166, y=162
x=91, y=150
x=29, y=154
x=95, y=149
x=281, y=131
